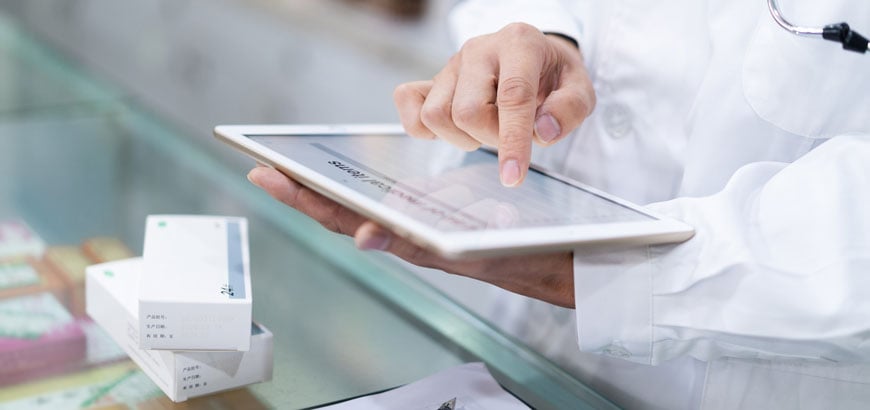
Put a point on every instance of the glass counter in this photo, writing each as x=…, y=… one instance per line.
x=81, y=160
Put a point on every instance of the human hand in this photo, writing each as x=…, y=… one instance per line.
x=547, y=277
x=506, y=90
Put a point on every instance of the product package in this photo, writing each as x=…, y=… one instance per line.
x=38, y=336
x=22, y=275
x=106, y=249
x=17, y=239
x=112, y=289
x=69, y=263
x=196, y=293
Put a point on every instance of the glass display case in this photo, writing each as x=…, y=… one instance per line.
x=83, y=165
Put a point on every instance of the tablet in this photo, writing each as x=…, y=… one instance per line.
x=444, y=199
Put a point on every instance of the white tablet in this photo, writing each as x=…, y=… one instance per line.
x=446, y=200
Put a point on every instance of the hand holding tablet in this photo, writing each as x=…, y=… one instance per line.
x=548, y=277
x=457, y=209
x=394, y=193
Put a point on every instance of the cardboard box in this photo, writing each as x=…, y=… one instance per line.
x=69, y=263
x=17, y=239
x=27, y=276
x=106, y=249
x=111, y=302
x=37, y=337
x=195, y=291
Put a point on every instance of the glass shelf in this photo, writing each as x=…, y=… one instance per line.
x=81, y=160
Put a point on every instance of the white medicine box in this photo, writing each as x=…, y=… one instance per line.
x=111, y=301
x=195, y=289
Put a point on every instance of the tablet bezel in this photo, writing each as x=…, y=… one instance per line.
x=453, y=244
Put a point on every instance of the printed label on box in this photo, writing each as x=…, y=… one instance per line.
x=17, y=274
x=195, y=290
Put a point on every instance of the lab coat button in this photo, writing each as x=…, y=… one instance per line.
x=617, y=120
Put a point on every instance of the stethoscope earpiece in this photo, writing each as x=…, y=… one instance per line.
x=839, y=32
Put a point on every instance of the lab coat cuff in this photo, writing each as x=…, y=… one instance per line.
x=470, y=19
x=613, y=299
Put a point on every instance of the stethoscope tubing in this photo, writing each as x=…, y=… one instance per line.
x=801, y=31
x=837, y=32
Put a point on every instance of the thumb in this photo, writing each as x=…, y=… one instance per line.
x=571, y=97
x=563, y=110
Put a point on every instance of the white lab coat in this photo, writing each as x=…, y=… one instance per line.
x=711, y=113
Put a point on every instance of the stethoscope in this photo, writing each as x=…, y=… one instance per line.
x=839, y=32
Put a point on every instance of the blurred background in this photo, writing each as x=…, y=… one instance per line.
x=106, y=116
x=199, y=63
x=195, y=64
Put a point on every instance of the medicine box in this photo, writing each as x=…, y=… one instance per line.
x=105, y=249
x=111, y=301
x=69, y=263
x=195, y=291
x=17, y=239
x=21, y=276
x=38, y=337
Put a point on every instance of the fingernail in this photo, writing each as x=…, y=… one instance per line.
x=547, y=128
x=254, y=176
x=378, y=241
x=510, y=173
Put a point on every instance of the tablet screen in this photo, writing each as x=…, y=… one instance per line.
x=454, y=193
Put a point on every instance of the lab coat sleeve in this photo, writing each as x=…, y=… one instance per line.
x=472, y=18
x=779, y=268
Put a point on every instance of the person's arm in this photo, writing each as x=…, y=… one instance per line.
x=779, y=268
